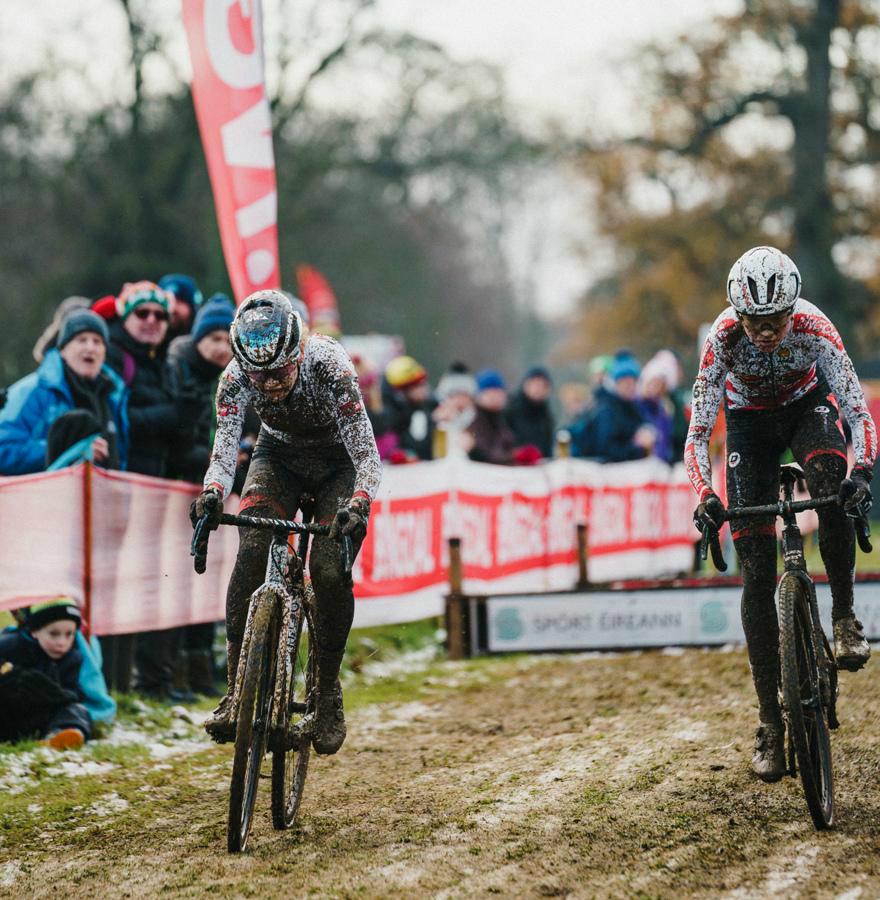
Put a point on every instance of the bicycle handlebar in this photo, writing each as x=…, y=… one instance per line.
x=201, y=533
x=709, y=539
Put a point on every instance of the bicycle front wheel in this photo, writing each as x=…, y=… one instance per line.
x=254, y=714
x=290, y=766
x=802, y=698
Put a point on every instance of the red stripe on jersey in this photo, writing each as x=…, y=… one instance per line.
x=819, y=326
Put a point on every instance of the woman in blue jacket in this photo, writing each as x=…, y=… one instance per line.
x=73, y=407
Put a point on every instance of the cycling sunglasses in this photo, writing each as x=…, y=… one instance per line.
x=160, y=315
x=773, y=323
x=261, y=376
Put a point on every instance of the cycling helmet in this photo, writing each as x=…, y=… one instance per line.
x=763, y=282
x=266, y=332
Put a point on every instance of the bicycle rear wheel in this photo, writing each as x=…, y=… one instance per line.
x=254, y=712
x=802, y=698
x=290, y=766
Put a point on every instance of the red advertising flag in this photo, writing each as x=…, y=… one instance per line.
x=229, y=92
x=318, y=296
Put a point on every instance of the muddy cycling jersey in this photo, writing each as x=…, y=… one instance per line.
x=324, y=411
x=747, y=378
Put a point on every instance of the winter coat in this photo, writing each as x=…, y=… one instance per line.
x=614, y=423
x=192, y=377
x=493, y=439
x=658, y=412
x=156, y=421
x=77, y=672
x=35, y=402
x=531, y=423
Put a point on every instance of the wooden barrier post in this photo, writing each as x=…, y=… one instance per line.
x=455, y=622
x=87, y=550
x=583, y=533
x=563, y=444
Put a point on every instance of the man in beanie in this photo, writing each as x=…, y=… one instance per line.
x=620, y=431
x=528, y=413
x=195, y=363
x=40, y=691
x=187, y=300
x=159, y=421
x=493, y=441
x=73, y=406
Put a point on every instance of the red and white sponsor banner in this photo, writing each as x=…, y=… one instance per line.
x=229, y=92
x=517, y=527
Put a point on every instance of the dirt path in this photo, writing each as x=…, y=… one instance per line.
x=564, y=776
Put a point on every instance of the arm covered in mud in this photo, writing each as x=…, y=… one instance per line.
x=340, y=379
x=232, y=401
x=838, y=369
x=708, y=394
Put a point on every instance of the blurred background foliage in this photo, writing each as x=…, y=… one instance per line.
x=759, y=127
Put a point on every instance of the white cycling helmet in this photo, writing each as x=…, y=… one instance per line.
x=763, y=282
x=266, y=332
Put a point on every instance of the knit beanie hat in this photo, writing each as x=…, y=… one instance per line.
x=625, y=367
x=57, y=610
x=134, y=294
x=488, y=379
x=214, y=315
x=77, y=322
x=105, y=307
x=458, y=380
x=538, y=372
x=403, y=372
x=184, y=288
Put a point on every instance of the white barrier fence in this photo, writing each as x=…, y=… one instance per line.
x=119, y=543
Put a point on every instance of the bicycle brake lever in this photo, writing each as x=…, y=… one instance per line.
x=717, y=555
x=704, y=543
x=347, y=554
x=199, y=547
x=863, y=533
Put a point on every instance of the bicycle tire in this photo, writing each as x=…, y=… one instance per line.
x=290, y=766
x=251, y=727
x=802, y=699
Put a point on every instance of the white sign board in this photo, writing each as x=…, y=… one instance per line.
x=640, y=618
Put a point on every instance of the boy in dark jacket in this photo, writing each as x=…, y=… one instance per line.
x=40, y=693
x=528, y=413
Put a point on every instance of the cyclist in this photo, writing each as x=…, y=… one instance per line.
x=781, y=368
x=315, y=440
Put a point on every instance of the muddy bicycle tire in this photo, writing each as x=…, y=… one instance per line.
x=255, y=706
x=802, y=699
x=290, y=766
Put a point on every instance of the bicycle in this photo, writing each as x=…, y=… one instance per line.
x=808, y=668
x=274, y=691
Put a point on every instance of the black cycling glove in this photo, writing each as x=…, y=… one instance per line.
x=855, y=492
x=351, y=520
x=710, y=513
x=209, y=503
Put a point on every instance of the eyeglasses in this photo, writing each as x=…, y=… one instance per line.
x=261, y=376
x=158, y=314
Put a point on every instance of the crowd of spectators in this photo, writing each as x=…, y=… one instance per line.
x=128, y=382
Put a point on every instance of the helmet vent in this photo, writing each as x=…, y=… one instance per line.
x=771, y=287
x=753, y=290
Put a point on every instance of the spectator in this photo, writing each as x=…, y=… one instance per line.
x=49, y=688
x=187, y=299
x=655, y=403
x=493, y=440
x=195, y=363
x=47, y=340
x=74, y=404
x=157, y=420
x=619, y=431
x=456, y=409
x=408, y=404
x=528, y=412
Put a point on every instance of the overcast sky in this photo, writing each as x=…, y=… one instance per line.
x=562, y=59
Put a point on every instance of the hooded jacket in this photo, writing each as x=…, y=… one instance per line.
x=35, y=402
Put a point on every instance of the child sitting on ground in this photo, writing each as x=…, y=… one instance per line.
x=40, y=667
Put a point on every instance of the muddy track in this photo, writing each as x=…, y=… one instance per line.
x=566, y=776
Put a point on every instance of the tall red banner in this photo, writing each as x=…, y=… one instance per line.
x=229, y=91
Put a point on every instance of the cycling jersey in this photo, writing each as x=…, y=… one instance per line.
x=734, y=369
x=324, y=411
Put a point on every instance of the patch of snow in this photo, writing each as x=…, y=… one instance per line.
x=694, y=731
x=164, y=751
x=9, y=873
x=107, y=805
x=34, y=808
x=851, y=894
x=672, y=651
x=407, y=663
x=379, y=718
